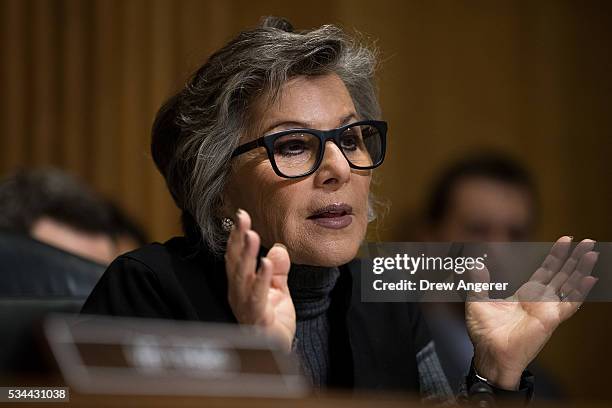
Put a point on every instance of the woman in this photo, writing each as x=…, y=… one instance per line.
x=272, y=144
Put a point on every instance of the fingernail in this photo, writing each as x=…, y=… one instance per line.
x=260, y=264
x=237, y=218
x=278, y=244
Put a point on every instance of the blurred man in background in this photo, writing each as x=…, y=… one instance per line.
x=57, y=209
x=56, y=238
x=488, y=197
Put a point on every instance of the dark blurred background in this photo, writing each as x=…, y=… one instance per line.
x=82, y=80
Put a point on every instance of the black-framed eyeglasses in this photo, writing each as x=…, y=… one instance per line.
x=297, y=153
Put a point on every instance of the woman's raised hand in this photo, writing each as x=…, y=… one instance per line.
x=259, y=296
x=508, y=334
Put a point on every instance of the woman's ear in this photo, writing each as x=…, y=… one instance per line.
x=226, y=209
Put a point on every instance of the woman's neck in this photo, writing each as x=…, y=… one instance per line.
x=310, y=288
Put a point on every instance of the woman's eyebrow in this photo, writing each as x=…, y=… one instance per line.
x=351, y=117
x=306, y=125
x=288, y=125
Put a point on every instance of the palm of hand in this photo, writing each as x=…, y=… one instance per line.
x=515, y=330
x=508, y=334
x=259, y=296
x=279, y=316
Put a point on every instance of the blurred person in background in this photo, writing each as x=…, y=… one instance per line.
x=484, y=197
x=54, y=207
x=56, y=238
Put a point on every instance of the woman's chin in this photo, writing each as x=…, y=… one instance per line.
x=327, y=254
x=318, y=246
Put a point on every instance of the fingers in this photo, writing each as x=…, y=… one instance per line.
x=570, y=265
x=261, y=286
x=553, y=262
x=273, y=272
x=478, y=276
x=279, y=257
x=235, y=241
x=585, y=267
x=574, y=300
x=241, y=254
x=574, y=282
x=245, y=270
x=248, y=289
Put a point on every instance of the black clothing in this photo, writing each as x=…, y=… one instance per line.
x=311, y=289
x=34, y=269
x=371, y=345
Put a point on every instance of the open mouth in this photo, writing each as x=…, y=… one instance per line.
x=334, y=216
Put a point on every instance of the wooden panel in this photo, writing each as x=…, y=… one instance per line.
x=45, y=72
x=104, y=129
x=75, y=88
x=13, y=137
x=164, y=67
x=134, y=93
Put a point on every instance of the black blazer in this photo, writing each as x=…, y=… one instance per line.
x=372, y=345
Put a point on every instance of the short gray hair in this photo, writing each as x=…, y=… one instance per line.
x=196, y=131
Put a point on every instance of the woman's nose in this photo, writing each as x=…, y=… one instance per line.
x=334, y=169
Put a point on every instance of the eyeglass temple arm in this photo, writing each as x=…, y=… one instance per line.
x=248, y=146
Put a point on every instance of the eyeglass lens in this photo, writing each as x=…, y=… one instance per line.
x=297, y=153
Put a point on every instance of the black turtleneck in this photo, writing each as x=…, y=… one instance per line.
x=311, y=289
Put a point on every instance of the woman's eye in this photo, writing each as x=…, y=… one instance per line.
x=291, y=147
x=349, y=141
